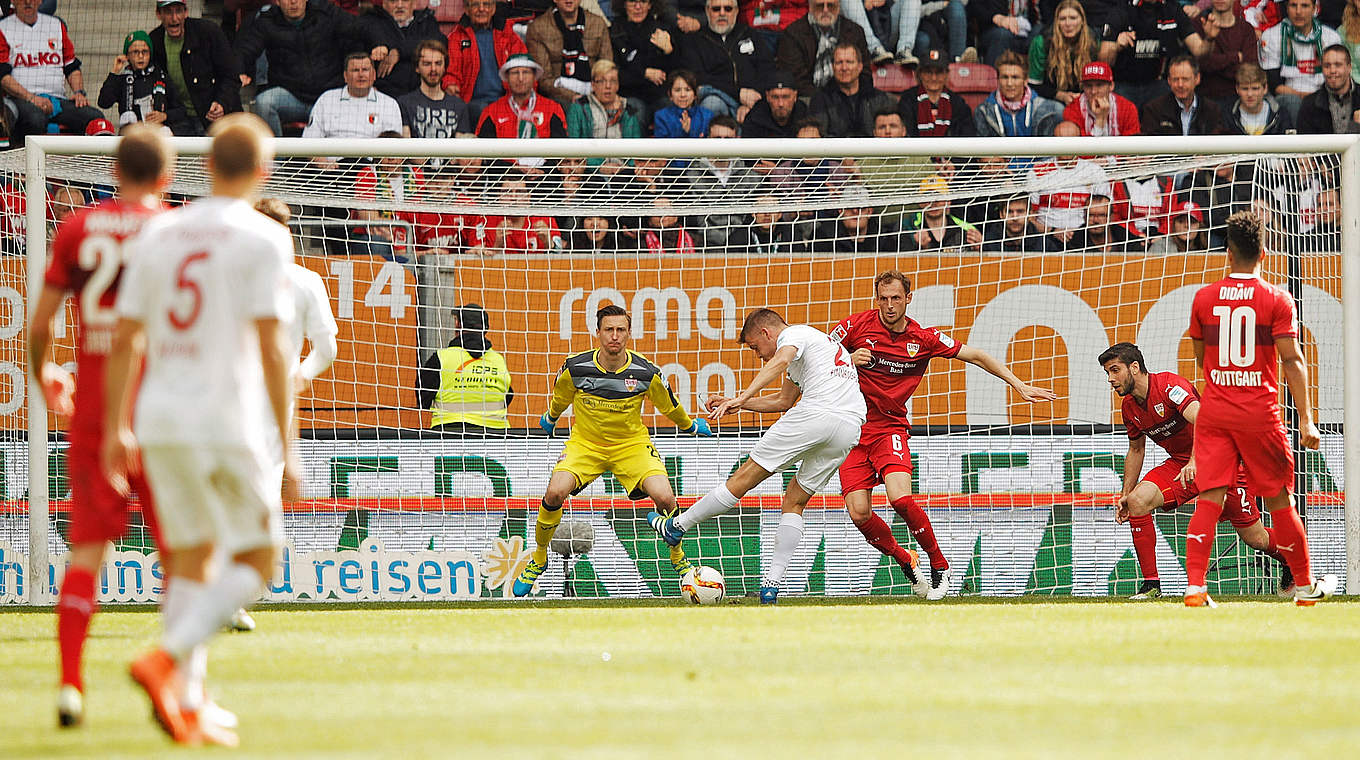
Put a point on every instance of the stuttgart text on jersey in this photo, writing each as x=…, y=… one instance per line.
x=1238, y=378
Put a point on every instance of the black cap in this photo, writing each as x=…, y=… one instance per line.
x=471, y=317
x=782, y=80
x=935, y=58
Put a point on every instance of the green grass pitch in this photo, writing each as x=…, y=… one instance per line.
x=810, y=679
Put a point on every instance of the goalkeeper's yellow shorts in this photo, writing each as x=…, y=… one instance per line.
x=631, y=462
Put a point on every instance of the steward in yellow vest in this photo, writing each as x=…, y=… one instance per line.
x=466, y=386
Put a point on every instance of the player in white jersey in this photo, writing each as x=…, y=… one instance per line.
x=823, y=410
x=203, y=300
x=309, y=318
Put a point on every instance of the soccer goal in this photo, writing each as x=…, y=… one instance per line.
x=1041, y=251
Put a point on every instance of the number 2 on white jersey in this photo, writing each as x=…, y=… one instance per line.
x=1236, y=335
x=102, y=257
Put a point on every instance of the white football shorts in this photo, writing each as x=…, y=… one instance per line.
x=224, y=495
x=818, y=441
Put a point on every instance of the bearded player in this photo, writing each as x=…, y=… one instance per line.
x=605, y=386
x=1163, y=406
x=87, y=262
x=1239, y=326
x=892, y=352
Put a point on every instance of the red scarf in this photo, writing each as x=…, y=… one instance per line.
x=933, y=120
x=1089, y=121
x=683, y=243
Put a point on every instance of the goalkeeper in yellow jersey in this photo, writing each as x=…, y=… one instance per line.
x=606, y=386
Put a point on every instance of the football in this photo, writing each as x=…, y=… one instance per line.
x=703, y=585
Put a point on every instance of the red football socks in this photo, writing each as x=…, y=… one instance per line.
x=74, y=608
x=1144, y=530
x=919, y=524
x=880, y=536
x=1199, y=540
x=1272, y=549
x=1292, y=543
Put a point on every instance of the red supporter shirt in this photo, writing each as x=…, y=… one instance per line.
x=1239, y=318
x=519, y=236
x=87, y=261
x=1162, y=416
x=899, y=361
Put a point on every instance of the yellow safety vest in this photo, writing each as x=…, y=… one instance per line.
x=471, y=391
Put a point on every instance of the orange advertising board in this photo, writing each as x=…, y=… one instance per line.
x=1046, y=316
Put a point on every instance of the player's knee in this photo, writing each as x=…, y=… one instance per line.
x=1254, y=535
x=859, y=513
x=665, y=503
x=1140, y=505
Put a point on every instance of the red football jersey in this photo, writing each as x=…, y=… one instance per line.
x=1239, y=318
x=1162, y=416
x=899, y=361
x=87, y=261
x=519, y=237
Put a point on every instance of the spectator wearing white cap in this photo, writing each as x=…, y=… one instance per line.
x=522, y=112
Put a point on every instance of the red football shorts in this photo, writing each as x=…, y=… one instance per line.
x=1264, y=454
x=98, y=512
x=1239, y=506
x=876, y=455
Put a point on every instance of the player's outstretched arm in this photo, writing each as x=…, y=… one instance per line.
x=665, y=402
x=780, y=402
x=56, y=382
x=1296, y=375
x=773, y=369
x=118, y=455
x=979, y=358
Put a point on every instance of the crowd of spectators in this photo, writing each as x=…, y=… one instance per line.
x=1171, y=67
x=721, y=69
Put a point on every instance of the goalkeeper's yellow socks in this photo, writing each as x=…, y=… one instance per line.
x=548, y=520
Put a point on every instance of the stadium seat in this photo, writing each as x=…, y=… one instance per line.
x=894, y=78
x=974, y=81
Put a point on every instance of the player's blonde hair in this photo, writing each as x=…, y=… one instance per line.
x=143, y=155
x=1243, y=233
x=242, y=145
x=274, y=209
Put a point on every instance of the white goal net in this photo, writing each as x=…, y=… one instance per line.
x=1042, y=252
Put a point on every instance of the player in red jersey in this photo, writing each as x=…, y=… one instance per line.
x=87, y=262
x=1239, y=325
x=1163, y=406
x=892, y=351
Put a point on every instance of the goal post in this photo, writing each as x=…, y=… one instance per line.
x=1020, y=496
